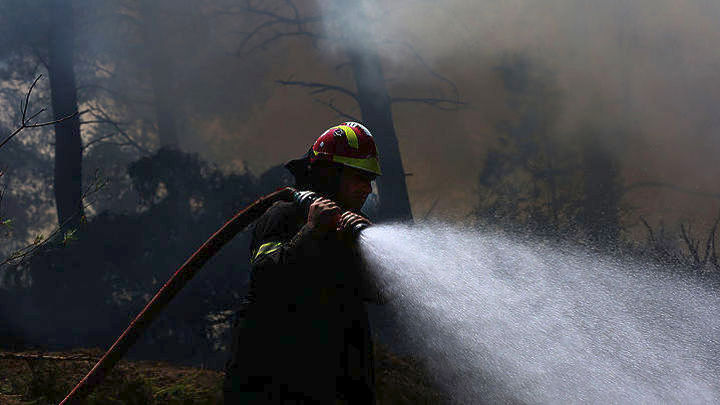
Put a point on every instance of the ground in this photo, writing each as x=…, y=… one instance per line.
x=39, y=378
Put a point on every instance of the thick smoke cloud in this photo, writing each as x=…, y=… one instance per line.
x=642, y=74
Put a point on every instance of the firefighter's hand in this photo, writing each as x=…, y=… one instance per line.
x=323, y=215
x=348, y=220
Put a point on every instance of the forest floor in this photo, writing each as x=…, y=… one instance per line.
x=39, y=378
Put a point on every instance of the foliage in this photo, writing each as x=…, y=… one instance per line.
x=535, y=181
x=119, y=260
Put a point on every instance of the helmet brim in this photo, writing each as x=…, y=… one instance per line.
x=299, y=168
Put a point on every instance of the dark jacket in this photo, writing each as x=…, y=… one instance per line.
x=304, y=333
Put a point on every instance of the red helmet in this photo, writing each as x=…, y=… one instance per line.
x=349, y=144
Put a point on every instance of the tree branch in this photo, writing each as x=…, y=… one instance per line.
x=280, y=35
x=710, y=242
x=273, y=19
x=421, y=61
x=691, y=244
x=658, y=184
x=25, y=121
x=99, y=139
x=320, y=87
x=329, y=104
x=18, y=257
x=439, y=103
x=101, y=117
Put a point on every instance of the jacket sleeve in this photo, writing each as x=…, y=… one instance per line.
x=280, y=251
x=277, y=248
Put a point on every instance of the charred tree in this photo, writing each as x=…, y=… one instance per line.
x=68, y=144
x=352, y=31
x=375, y=105
x=161, y=72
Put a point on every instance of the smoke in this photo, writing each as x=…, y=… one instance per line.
x=502, y=320
x=641, y=73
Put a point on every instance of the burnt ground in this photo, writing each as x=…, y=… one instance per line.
x=39, y=378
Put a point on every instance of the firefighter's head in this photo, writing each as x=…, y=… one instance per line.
x=341, y=164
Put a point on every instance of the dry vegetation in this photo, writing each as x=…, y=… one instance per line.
x=40, y=378
x=45, y=378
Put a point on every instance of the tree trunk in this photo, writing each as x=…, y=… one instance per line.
x=68, y=145
x=161, y=73
x=377, y=116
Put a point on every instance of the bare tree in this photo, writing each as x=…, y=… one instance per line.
x=68, y=144
x=161, y=71
x=27, y=122
x=371, y=95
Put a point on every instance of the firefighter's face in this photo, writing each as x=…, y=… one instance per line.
x=355, y=186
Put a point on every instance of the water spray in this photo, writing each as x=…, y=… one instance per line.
x=502, y=320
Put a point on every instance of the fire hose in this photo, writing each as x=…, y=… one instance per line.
x=178, y=280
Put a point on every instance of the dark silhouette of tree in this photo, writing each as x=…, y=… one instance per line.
x=43, y=35
x=161, y=71
x=68, y=144
x=104, y=278
x=28, y=121
x=524, y=181
x=375, y=105
x=535, y=181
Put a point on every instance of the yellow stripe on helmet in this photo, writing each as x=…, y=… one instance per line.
x=351, y=136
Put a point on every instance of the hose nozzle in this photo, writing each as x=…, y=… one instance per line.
x=305, y=198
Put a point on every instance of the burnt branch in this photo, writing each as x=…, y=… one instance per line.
x=651, y=235
x=680, y=189
x=340, y=66
x=99, y=139
x=416, y=55
x=280, y=35
x=320, y=87
x=331, y=105
x=691, y=244
x=26, y=120
x=101, y=117
x=20, y=256
x=658, y=244
x=274, y=19
x=439, y=103
x=710, y=254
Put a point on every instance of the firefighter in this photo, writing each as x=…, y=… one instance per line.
x=303, y=335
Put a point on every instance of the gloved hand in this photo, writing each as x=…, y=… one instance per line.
x=323, y=215
x=349, y=220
